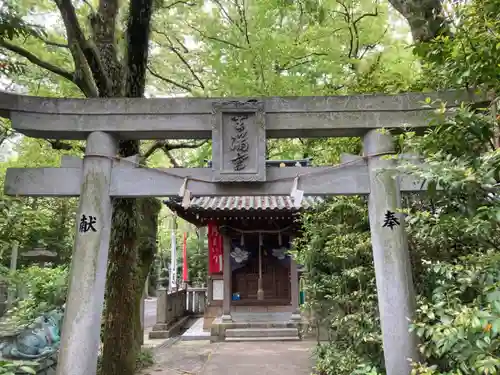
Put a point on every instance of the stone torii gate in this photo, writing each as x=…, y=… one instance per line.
x=238, y=128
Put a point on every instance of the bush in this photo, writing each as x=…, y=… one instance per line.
x=13, y=367
x=459, y=324
x=42, y=290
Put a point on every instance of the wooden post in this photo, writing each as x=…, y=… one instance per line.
x=143, y=307
x=210, y=290
x=81, y=329
x=190, y=305
x=196, y=302
x=260, y=289
x=227, y=275
x=173, y=256
x=294, y=287
x=396, y=296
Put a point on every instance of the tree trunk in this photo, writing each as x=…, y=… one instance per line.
x=425, y=17
x=122, y=331
x=132, y=251
x=150, y=210
x=120, y=292
x=119, y=342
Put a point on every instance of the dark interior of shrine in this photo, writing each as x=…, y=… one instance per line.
x=274, y=264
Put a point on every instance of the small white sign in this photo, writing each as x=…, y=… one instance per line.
x=217, y=290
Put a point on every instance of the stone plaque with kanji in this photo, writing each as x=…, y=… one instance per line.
x=239, y=141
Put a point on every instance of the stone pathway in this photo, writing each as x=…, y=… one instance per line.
x=196, y=332
x=245, y=358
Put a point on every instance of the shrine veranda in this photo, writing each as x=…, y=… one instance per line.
x=238, y=128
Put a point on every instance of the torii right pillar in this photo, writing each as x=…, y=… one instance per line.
x=396, y=296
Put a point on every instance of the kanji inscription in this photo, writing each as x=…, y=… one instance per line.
x=239, y=141
x=87, y=224
x=390, y=220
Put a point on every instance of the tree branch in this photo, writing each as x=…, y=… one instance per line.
x=182, y=58
x=300, y=61
x=356, y=31
x=61, y=145
x=167, y=147
x=215, y=38
x=138, y=31
x=168, y=80
x=243, y=19
x=171, y=5
x=53, y=44
x=36, y=60
x=88, y=49
x=226, y=14
x=172, y=159
x=103, y=24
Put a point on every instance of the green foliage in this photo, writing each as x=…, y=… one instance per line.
x=36, y=222
x=145, y=359
x=340, y=285
x=40, y=290
x=459, y=324
x=469, y=58
x=197, y=260
x=14, y=367
x=455, y=242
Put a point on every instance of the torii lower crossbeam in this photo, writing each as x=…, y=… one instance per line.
x=350, y=179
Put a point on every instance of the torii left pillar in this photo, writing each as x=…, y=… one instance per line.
x=82, y=319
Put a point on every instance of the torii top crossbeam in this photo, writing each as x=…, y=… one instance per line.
x=192, y=118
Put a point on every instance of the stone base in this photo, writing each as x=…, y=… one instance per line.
x=260, y=294
x=219, y=327
x=214, y=312
x=165, y=331
x=296, y=317
x=226, y=318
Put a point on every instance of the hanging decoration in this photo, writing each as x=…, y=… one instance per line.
x=214, y=249
x=280, y=253
x=296, y=194
x=185, y=194
x=239, y=255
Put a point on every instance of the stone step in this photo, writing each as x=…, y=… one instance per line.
x=248, y=339
x=262, y=332
x=261, y=325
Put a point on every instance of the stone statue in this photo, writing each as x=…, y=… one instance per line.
x=38, y=340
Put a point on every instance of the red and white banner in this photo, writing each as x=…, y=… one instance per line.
x=214, y=249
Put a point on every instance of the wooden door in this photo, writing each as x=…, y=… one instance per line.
x=275, y=281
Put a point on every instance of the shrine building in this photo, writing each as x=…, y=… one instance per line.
x=258, y=287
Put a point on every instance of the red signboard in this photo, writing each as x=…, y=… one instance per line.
x=214, y=249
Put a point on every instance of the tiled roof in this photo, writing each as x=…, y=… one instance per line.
x=249, y=203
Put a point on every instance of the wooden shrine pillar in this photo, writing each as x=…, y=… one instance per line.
x=396, y=296
x=227, y=276
x=294, y=287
